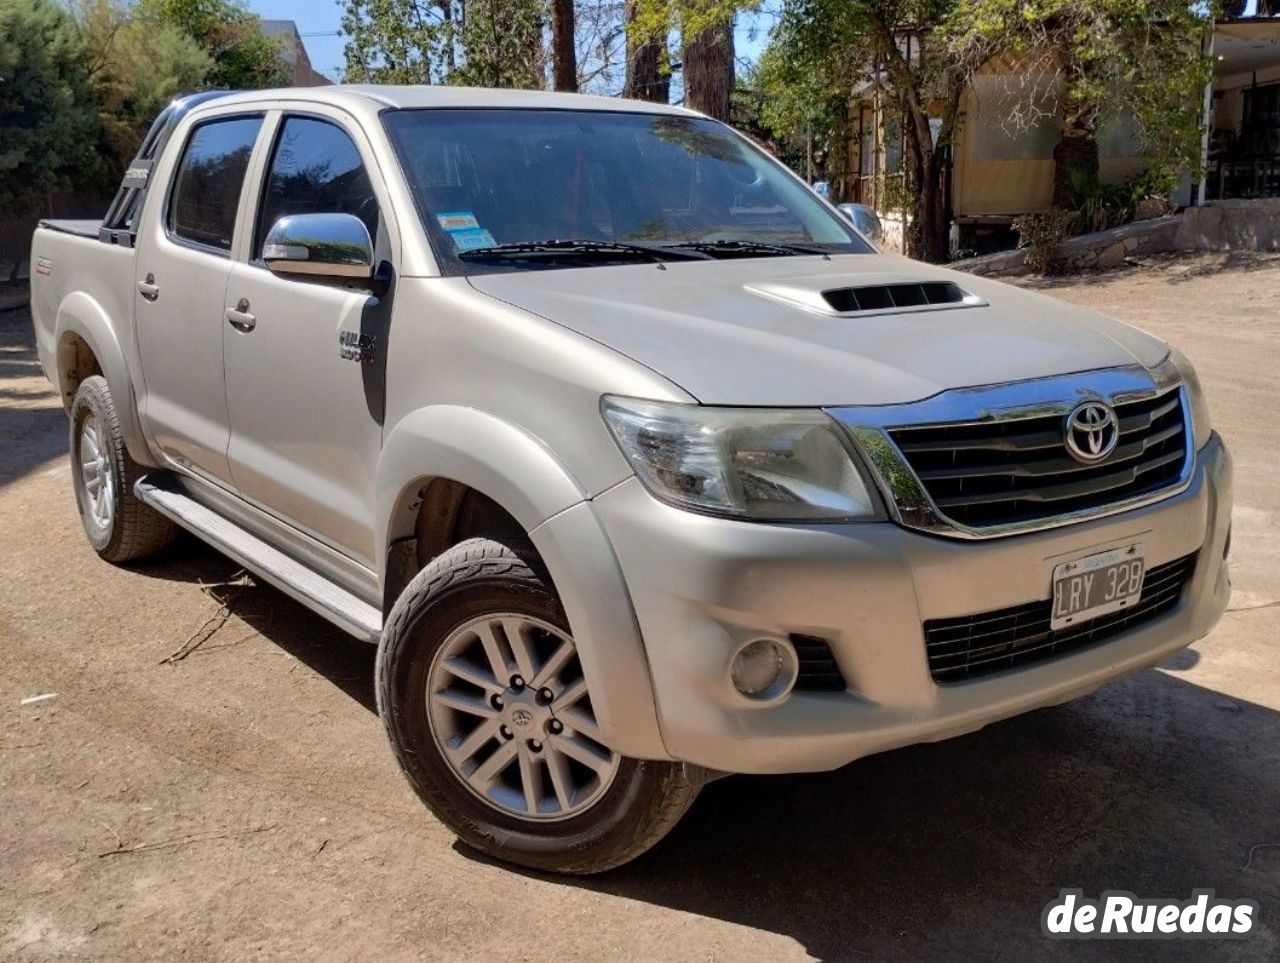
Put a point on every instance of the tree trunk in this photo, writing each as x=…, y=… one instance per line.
x=708, y=70
x=927, y=235
x=645, y=77
x=934, y=229
x=1077, y=149
x=564, y=57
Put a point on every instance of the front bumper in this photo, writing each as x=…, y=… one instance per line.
x=702, y=586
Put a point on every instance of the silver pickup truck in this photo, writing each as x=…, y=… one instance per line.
x=637, y=462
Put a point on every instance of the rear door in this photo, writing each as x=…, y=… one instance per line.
x=306, y=417
x=183, y=262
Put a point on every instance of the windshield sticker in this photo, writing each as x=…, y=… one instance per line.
x=458, y=221
x=472, y=240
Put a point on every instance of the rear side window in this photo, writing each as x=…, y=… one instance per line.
x=316, y=169
x=206, y=190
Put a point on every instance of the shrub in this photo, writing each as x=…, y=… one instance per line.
x=48, y=128
x=1042, y=235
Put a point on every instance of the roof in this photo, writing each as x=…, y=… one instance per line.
x=364, y=97
x=423, y=95
x=1243, y=46
x=294, y=53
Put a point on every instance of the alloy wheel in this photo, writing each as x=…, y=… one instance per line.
x=511, y=714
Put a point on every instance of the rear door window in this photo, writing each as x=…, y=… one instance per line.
x=206, y=189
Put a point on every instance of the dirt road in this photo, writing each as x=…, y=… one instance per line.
x=241, y=802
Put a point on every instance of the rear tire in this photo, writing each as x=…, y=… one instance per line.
x=119, y=527
x=435, y=654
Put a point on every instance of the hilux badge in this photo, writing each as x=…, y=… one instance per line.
x=354, y=346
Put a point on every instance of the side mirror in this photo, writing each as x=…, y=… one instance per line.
x=334, y=248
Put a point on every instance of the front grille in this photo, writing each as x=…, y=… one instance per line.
x=976, y=645
x=818, y=671
x=1017, y=470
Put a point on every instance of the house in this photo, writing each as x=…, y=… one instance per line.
x=1002, y=165
x=294, y=53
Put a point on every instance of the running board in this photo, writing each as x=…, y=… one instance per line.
x=316, y=592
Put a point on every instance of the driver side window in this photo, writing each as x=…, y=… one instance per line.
x=316, y=169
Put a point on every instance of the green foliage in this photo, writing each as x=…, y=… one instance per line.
x=824, y=50
x=1100, y=206
x=47, y=120
x=135, y=68
x=1042, y=235
x=804, y=106
x=488, y=43
x=1115, y=58
x=244, y=58
x=502, y=45
x=397, y=41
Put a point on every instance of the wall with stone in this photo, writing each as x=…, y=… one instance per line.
x=1231, y=226
x=1105, y=249
x=1252, y=225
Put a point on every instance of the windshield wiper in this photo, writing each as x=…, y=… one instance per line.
x=741, y=248
x=578, y=250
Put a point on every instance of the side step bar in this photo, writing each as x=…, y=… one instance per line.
x=335, y=603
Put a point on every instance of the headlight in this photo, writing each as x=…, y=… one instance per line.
x=762, y=463
x=1200, y=424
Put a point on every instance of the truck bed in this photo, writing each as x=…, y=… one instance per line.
x=78, y=228
x=69, y=265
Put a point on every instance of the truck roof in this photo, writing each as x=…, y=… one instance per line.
x=360, y=98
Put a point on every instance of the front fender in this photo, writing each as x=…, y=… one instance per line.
x=81, y=316
x=514, y=469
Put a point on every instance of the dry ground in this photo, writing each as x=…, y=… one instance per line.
x=241, y=803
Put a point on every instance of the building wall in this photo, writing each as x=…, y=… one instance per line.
x=1004, y=153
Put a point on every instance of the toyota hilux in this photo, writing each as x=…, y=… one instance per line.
x=636, y=461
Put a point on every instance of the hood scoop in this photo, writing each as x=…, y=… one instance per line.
x=897, y=297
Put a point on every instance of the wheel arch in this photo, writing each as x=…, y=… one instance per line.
x=86, y=344
x=461, y=450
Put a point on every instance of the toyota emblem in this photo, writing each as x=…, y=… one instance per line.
x=1091, y=432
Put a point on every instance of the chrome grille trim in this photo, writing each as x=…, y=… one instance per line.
x=906, y=493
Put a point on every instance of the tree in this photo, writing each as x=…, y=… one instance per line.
x=244, y=57
x=399, y=41
x=708, y=58
x=601, y=44
x=564, y=54
x=1138, y=59
x=483, y=43
x=706, y=55
x=48, y=128
x=647, y=76
x=134, y=67
x=502, y=44
x=911, y=51
x=803, y=109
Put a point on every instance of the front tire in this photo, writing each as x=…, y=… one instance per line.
x=119, y=527
x=482, y=695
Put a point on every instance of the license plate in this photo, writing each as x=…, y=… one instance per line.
x=1085, y=588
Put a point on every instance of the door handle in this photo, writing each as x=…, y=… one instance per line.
x=148, y=288
x=240, y=318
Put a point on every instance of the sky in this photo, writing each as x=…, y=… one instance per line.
x=318, y=22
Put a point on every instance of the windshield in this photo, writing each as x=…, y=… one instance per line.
x=518, y=189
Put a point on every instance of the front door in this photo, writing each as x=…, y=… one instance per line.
x=306, y=416
x=183, y=262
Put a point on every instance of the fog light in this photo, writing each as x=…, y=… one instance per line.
x=764, y=669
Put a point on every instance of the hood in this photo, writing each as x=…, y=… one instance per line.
x=761, y=331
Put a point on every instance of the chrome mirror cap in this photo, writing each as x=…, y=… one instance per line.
x=336, y=247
